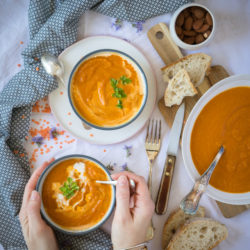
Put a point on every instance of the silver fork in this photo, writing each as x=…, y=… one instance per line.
x=152, y=145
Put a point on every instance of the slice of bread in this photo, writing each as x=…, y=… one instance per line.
x=198, y=234
x=174, y=221
x=197, y=65
x=179, y=87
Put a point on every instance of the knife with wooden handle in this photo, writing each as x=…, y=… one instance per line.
x=167, y=174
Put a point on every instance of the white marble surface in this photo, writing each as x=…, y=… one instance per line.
x=230, y=48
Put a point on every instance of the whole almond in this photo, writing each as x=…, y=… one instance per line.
x=198, y=12
x=185, y=13
x=206, y=34
x=198, y=23
x=199, y=38
x=181, y=36
x=209, y=19
x=180, y=20
x=189, y=40
x=189, y=33
x=178, y=30
x=203, y=28
x=188, y=23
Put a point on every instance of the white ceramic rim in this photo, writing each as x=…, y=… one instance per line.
x=175, y=37
x=225, y=84
x=40, y=186
x=60, y=105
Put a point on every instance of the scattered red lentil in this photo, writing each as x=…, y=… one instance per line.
x=60, y=147
x=36, y=59
x=22, y=155
x=18, y=65
x=15, y=152
x=46, y=108
x=37, y=68
x=61, y=93
x=36, y=122
x=104, y=150
x=91, y=135
x=70, y=123
x=21, y=42
x=23, y=116
x=69, y=113
x=36, y=107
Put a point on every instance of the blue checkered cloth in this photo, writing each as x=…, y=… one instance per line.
x=53, y=27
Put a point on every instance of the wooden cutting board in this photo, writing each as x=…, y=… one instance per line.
x=169, y=52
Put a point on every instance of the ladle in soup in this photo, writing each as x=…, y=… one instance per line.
x=190, y=203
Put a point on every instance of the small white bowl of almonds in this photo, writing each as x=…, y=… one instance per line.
x=192, y=26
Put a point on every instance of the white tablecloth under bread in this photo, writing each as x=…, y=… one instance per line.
x=230, y=48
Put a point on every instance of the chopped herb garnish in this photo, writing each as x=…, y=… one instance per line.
x=119, y=105
x=119, y=92
x=125, y=80
x=69, y=188
x=114, y=83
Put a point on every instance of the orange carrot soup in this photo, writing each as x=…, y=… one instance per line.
x=71, y=197
x=106, y=90
x=225, y=120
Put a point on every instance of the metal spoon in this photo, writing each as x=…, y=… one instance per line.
x=53, y=66
x=190, y=203
x=131, y=183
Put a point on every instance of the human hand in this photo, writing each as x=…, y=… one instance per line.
x=133, y=214
x=37, y=234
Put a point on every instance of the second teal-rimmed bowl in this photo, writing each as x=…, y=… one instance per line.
x=39, y=188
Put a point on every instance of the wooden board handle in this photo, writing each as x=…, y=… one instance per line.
x=160, y=38
x=165, y=185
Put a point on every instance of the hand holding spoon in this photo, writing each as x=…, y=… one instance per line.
x=131, y=183
x=190, y=203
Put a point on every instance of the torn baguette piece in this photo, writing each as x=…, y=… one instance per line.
x=174, y=221
x=198, y=234
x=197, y=65
x=179, y=87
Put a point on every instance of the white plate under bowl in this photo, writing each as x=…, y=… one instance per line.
x=228, y=83
x=60, y=104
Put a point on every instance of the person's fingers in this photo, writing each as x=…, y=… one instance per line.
x=30, y=186
x=33, y=211
x=141, y=185
x=132, y=201
x=122, y=197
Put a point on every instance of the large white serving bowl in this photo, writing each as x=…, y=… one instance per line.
x=225, y=84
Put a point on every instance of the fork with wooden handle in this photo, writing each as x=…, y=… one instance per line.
x=152, y=145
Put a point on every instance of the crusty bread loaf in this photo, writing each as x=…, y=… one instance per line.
x=174, y=221
x=198, y=234
x=179, y=87
x=197, y=65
